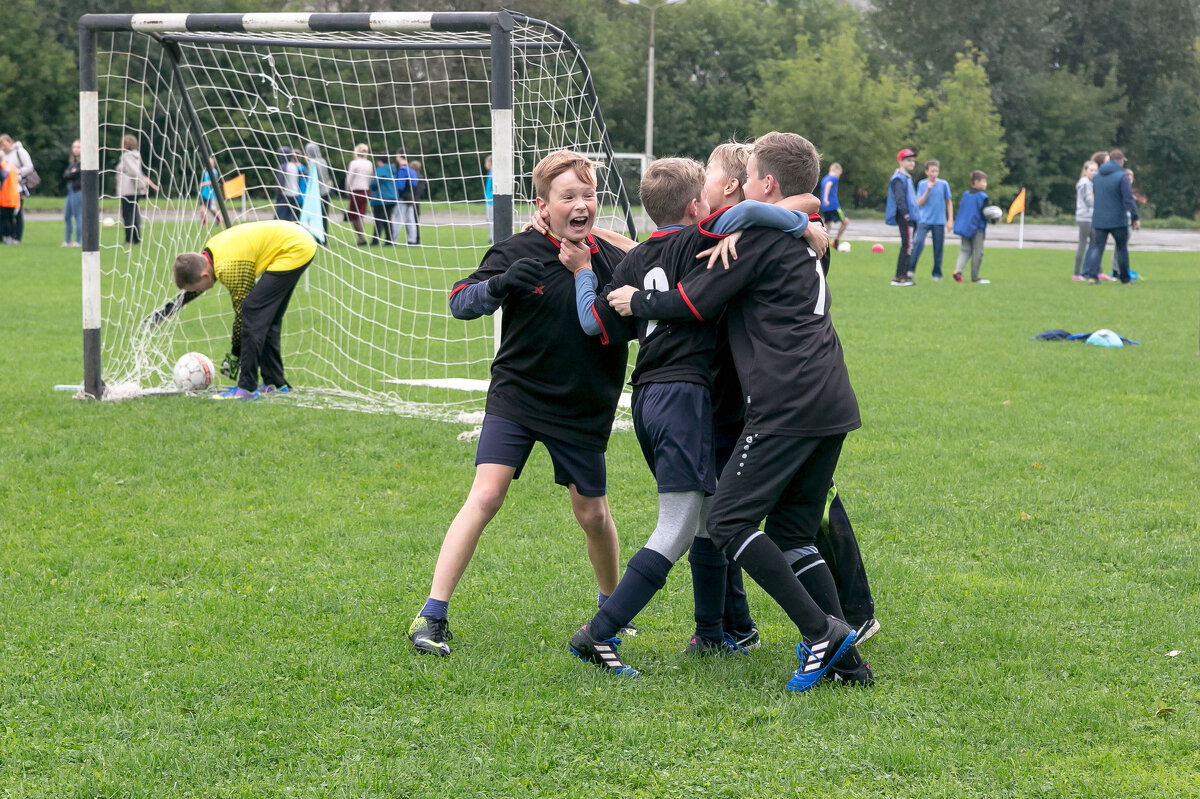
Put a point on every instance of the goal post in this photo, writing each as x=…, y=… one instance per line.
x=370, y=322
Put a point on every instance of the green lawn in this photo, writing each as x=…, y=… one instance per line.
x=201, y=599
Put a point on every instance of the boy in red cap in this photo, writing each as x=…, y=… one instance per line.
x=901, y=206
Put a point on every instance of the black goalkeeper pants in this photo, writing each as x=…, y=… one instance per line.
x=262, y=323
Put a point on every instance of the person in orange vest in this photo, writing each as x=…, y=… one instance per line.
x=10, y=201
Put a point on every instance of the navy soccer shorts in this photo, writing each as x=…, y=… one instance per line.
x=509, y=444
x=673, y=422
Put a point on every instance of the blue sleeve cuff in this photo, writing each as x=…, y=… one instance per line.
x=585, y=298
x=472, y=301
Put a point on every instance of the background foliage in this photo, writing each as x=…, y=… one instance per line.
x=1029, y=91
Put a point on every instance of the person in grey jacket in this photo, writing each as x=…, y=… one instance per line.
x=132, y=183
x=1113, y=211
x=1083, y=214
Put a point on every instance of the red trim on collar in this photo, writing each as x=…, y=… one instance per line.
x=814, y=217
x=207, y=253
x=592, y=245
x=704, y=231
x=658, y=234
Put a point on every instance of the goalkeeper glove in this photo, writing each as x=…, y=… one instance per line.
x=521, y=275
x=229, y=366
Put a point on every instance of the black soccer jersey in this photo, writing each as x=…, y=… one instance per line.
x=788, y=356
x=681, y=351
x=548, y=375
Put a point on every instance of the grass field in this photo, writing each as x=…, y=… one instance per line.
x=206, y=600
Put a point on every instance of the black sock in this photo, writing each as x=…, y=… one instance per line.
x=644, y=575
x=812, y=571
x=766, y=565
x=737, y=607
x=708, y=587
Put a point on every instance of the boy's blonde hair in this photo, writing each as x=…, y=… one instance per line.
x=668, y=186
x=361, y=149
x=791, y=158
x=556, y=164
x=129, y=142
x=732, y=157
x=187, y=268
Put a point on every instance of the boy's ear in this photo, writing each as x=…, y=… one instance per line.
x=541, y=204
x=732, y=186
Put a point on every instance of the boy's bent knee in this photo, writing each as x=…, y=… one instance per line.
x=592, y=514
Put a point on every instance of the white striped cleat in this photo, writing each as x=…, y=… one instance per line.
x=587, y=647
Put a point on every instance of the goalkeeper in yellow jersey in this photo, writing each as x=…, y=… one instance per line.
x=260, y=264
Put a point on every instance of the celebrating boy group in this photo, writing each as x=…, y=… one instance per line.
x=740, y=376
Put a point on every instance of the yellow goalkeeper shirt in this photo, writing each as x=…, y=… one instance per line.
x=243, y=252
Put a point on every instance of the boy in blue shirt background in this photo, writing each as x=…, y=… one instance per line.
x=831, y=208
x=934, y=212
x=971, y=225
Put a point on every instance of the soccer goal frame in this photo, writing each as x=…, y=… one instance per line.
x=273, y=29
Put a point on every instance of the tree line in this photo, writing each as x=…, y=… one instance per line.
x=1025, y=91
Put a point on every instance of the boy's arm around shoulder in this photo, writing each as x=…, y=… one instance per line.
x=699, y=298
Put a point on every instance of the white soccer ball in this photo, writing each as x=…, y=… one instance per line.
x=993, y=213
x=108, y=221
x=194, y=372
x=844, y=246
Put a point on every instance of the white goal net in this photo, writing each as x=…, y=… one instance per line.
x=369, y=322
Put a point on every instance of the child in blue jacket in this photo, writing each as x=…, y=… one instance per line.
x=971, y=225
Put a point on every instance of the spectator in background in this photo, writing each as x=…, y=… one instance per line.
x=1083, y=213
x=10, y=200
x=902, y=212
x=406, y=211
x=831, y=208
x=935, y=211
x=418, y=190
x=18, y=157
x=287, y=192
x=132, y=183
x=971, y=226
x=383, y=200
x=318, y=170
x=1113, y=212
x=487, y=195
x=1139, y=199
x=73, y=210
x=358, y=186
x=208, y=193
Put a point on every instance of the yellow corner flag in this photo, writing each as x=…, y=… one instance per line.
x=1017, y=207
x=235, y=187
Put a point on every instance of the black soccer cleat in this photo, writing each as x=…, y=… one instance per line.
x=430, y=636
x=603, y=653
x=817, y=656
x=866, y=631
x=851, y=670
